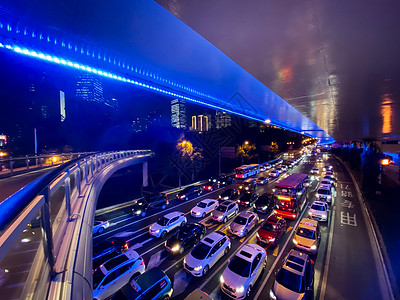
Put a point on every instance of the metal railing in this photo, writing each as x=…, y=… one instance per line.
x=34, y=223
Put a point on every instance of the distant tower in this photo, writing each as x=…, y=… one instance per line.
x=200, y=123
x=222, y=119
x=89, y=88
x=178, y=114
x=62, y=106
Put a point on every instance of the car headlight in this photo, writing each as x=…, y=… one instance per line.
x=313, y=247
x=272, y=239
x=240, y=289
x=265, y=207
x=175, y=248
x=138, y=212
x=329, y=197
x=310, y=213
x=198, y=268
x=294, y=241
x=221, y=279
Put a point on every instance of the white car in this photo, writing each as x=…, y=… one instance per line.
x=225, y=211
x=206, y=253
x=243, y=223
x=328, y=167
x=112, y=275
x=262, y=180
x=319, y=211
x=100, y=226
x=315, y=171
x=203, y=208
x=243, y=271
x=324, y=193
x=274, y=173
x=325, y=182
x=167, y=223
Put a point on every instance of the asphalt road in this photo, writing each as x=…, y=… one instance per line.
x=344, y=265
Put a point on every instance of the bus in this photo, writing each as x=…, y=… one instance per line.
x=290, y=195
x=247, y=171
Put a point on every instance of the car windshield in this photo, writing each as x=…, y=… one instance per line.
x=269, y=227
x=246, y=197
x=325, y=182
x=290, y=280
x=185, y=191
x=240, y=266
x=97, y=277
x=163, y=221
x=200, y=251
x=202, y=205
x=306, y=233
x=182, y=233
x=222, y=208
x=240, y=220
x=323, y=192
x=263, y=200
x=318, y=207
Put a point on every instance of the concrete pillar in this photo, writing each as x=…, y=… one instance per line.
x=145, y=175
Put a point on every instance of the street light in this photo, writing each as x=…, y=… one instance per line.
x=246, y=142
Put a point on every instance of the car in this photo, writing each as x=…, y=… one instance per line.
x=324, y=193
x=198, y=294
x=263, y=168
x=318, y=211
x=203, y=208
x=295, y=279
x=243, y=270
x=167, y=224
x=225, y=211
x=211, y=185
x=153, y=284
x=149, y=203
x=325, y=182
x=248, y=199
x=269, y=166
x=279, y=169
x=185, y=237
x=113, y=274
x=271, y=230
x=315, y=171
x=243, y=223
x=225, y=180
x=328, y=167
x=264, y=203
x=330, y=178
x=229, y=194
x=107, y=249
x=248, y=185
x=274, y=174
x=307, y=236
x=329, y=173
x=99, y=226
x=284, y=168
x=190, y=192
x=262, y=180
x=206, y=253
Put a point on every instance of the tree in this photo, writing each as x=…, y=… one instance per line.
x=245, y=150
x=274, y=147
x=190, y=158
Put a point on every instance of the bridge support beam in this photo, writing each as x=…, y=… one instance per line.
x=145, y=175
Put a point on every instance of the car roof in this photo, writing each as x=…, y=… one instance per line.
x=173, y=214
x=308, y=223
x=118, y=260
x=213, y=238
x=227, y=203
x=249, y=251
x=295, y=262
x=272, y=219
x=324, y=186
x=325, y=180
x=208, y=200
x=246, y=214
x=318, y=203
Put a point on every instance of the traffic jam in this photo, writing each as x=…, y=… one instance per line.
x=256, y=234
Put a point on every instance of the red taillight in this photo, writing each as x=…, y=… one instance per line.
x=312, y=261
x=167, y=202
x=142, y=263
x=126, y=246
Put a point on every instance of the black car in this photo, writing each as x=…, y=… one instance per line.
x=190, y=192
x=143, y=206
x=248, y=198
x=265, y=203
x=186, y=237
x=225, y=180
x=229, y=194
x=108, y=249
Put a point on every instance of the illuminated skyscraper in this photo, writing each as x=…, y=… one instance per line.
x=178, y=114
x=89, y=88
x=222, y=119
x=200, y=123
x=62, y=106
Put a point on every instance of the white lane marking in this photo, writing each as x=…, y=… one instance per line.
x=155, y=260
x=139, y=245
x=261, y=288
x=346, y=219
x=137, y=236
x=181, y=281
x=123, y=234
x=15, y=285
x=328, y=258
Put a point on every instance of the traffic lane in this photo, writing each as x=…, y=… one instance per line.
x=352, y=258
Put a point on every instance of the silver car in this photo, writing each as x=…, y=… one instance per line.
x=243, y=223
x=167, y=223
x=225, y=211
x=243, y=271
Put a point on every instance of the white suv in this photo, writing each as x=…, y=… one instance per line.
x=167, y=223
x=324, y=193
x=206, y=253
x=243, y=223
x=319, y=211
x=112, y=275
x=243, y=271
x=203, y=208
x=225, y=211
